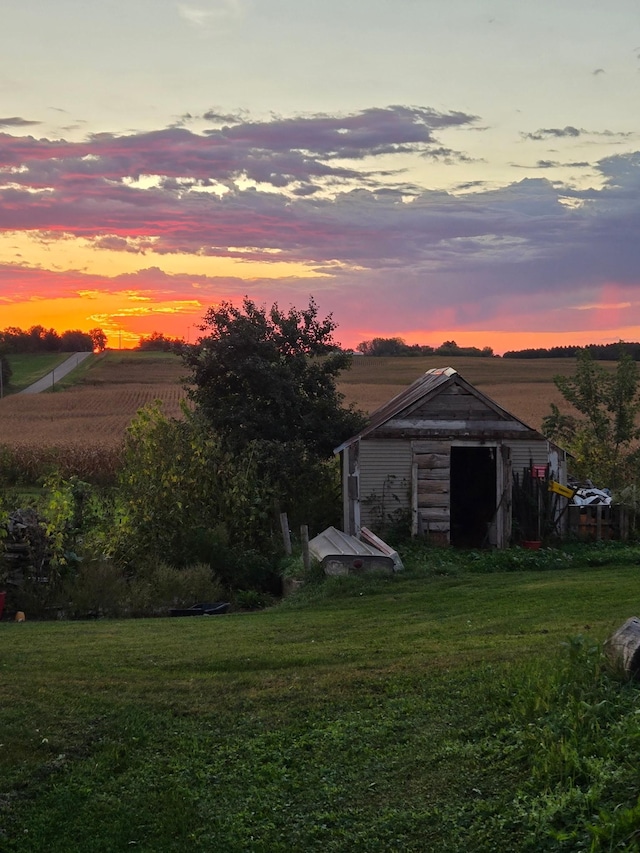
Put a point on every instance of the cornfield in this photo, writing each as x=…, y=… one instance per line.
x=80, y=430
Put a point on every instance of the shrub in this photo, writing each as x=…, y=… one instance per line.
x=154, y=590
x=99, y=588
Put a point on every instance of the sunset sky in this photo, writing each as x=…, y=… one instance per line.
x=432, y=169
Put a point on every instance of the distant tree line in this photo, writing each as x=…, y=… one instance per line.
x=157, y=342
x=599, y=352
x=398, y=347
x=37, y=339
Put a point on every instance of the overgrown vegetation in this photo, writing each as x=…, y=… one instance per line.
x=206, y=488
x=603, y=441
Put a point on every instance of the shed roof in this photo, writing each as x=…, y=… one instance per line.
x=424, y=388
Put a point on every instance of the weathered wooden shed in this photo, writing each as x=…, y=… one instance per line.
x=441, y=454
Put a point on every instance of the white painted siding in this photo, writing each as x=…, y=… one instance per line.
x=385, y=479
x=523, y=452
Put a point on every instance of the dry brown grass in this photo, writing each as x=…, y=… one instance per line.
x=81, y=415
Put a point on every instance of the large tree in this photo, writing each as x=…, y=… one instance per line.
x=270, y=375
x=264, y=380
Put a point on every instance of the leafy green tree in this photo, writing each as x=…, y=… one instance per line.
x=603, y=435
x=270, y=375
x=383, y=347
x=264, y=380
x=158, y=342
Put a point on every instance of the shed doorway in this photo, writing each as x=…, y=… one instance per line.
x=473, y=496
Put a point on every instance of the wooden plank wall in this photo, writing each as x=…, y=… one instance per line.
x=431, y=488
x=599, y=522
x=455, y=403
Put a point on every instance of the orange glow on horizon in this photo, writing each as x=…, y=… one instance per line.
x=126, y=316
x=499, y=340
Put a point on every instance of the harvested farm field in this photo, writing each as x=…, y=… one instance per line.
x=96, y=411
x=524, y=387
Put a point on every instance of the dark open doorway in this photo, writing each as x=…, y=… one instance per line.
x=473, y=495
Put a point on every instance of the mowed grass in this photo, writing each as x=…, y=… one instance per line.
x=28, y=368
x=369, y=715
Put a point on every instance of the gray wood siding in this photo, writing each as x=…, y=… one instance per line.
x=385, y=480
x=522, y=452
x=454, y=403
x=453, y=411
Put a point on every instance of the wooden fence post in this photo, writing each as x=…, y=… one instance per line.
x=286, y=533
x=304, y=536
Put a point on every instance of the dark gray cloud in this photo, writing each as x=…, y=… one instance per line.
x=17, y=121
x=215, y=116
x=572, y=133
x=296, y=153
x=554, y=133
x=554, y=164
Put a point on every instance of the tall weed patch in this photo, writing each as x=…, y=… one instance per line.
x=26, y=464
x=574, y=726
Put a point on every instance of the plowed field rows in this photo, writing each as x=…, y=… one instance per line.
x=95, y=413
x=81, y=415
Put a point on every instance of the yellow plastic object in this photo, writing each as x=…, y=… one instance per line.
x=559, y=489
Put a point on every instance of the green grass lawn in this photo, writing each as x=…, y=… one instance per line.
x=29, y=367
x=414, y=713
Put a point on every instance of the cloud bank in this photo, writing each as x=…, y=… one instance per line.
x=333, y=194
